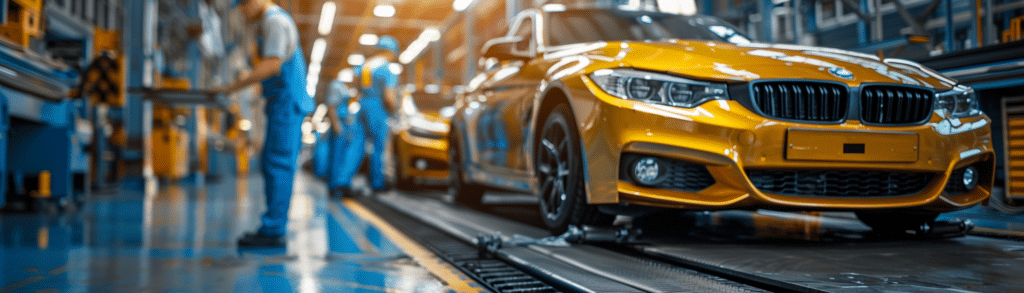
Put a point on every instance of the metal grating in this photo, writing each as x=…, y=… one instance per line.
x=1013, y=131
x=832, y=183
x=497, y=275
x=895, y=104
x=681, y=175
x=803, y=101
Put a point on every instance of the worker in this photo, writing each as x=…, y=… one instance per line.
x=348, y=139
x=282, y=73
x=378, y=98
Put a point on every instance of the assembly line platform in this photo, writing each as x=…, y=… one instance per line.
x=181, y=237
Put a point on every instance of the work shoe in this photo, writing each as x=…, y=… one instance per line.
x=341, y=192
x=255, y=240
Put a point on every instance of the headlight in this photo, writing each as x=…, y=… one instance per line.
x=959, y=102
x=658, y=88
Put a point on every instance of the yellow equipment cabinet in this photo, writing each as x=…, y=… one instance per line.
x=170, y=152
x=23, y=21
x=170, y=142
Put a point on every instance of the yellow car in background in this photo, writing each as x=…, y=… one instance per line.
x=601, y=111
x=420, y=141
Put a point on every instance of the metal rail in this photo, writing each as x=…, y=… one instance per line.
x=497, y=275
x=847, y=255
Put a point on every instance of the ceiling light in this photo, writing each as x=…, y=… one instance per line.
x=460, y=5
x=384, y=10
x=430, y=35
x=327, y=17
x=319, y=49
x=417, y=46
x=356, y=59
x=553, y=7
x=368, y=39
x=412, y=51
x=346, y=75
x=312, y=79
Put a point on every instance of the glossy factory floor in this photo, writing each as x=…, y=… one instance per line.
x=181, y=238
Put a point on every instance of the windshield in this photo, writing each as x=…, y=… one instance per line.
x=586, y=26
x=430, y=103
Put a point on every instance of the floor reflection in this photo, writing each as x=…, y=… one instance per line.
x=180, y=237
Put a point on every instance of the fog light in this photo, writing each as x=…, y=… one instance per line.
x=421, y=164
x=648, y=171
x=970, y=178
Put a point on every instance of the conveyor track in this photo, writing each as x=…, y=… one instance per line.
x=497, y=275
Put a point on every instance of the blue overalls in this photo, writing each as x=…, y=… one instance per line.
x=322, y=155
x=287, y=104
x=347, y=149
x=376, y=78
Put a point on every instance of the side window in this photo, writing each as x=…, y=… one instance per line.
x=525, y=31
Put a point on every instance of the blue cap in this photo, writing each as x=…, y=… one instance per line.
x=236, y=2
x=388, y=43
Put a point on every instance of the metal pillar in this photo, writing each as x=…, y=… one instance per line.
x=511, y=9
x=438, y=61
x=989, y=26
x=766, y=20
x=877, y=27
x=470, y=43
x=139, y=34
x=862, y=25
x=949, y=26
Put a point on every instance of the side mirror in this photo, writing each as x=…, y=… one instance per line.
x=503, y=48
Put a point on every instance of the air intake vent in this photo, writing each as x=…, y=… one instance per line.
x=895, y=105
x=838, y=184
x=802, y=101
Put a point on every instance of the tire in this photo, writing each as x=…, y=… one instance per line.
x=402, y=180
x=895, y=222
x=464, y=193
x=559, y=168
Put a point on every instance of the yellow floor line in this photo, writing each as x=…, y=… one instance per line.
x=455, y=279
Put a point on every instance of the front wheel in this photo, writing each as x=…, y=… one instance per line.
x=465, y=193
x=895, y=222
x=402, y=179
x=559, y=168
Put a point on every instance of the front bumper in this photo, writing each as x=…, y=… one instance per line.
x=729, y=140
x=433, y=152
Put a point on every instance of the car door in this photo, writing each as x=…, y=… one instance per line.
x=503, y=124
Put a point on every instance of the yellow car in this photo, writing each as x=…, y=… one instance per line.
x=602, y=111
x=421, y=140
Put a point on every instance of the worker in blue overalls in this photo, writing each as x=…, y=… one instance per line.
x=379, y=97
x=282, y=74
x=348, y=140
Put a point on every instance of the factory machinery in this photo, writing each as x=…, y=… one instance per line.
x=89, y=98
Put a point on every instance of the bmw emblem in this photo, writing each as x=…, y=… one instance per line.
x=841, y=72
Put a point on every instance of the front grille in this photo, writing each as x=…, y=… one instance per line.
x=681, y=175
x=895, y=104
x=803, y=101
x=832, y=183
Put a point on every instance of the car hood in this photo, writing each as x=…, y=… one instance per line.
x=719, y=61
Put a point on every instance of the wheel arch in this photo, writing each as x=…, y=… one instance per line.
x=555, y=93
